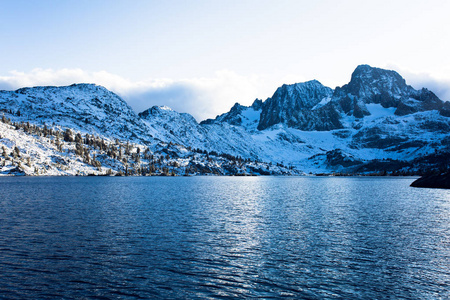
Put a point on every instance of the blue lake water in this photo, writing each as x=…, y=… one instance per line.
x=223, y=237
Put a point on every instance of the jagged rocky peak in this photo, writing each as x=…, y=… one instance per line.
x=237, y=108
x=366, y=82
x=385, y=87
x=372, y=85
x=289, y=102
x=257, y=104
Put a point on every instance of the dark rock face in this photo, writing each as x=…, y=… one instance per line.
x=292, y=104
x=233, y=117
x=429, y=101
x=378, y=138
x=324, y=118
x=385, y=99
x=436, y=126
x=385, y=87
x=422, y=100
x=441, y=181
x=382, y=166
x=257, y=104
x=354, y=107
x=406, y=107
x=445, y=110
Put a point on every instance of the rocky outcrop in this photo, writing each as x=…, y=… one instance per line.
x=441, y=180
x=292, y=105
x=445, y=110
x=338, y=158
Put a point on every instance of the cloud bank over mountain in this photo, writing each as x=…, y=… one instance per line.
x=203, y=97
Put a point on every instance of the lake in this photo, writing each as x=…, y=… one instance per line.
x=223, y=237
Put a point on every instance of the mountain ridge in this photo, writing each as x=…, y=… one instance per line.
x=367, y=85
x=376, y=117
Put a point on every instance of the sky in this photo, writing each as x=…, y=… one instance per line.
x=201, y=57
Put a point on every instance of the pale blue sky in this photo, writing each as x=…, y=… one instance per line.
x=202, y=56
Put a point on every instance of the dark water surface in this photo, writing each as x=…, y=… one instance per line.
x=223, y=237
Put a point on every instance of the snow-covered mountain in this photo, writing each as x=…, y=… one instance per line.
x=311, y=106
x=376, y=116
x=374, y=123
x=86, y=107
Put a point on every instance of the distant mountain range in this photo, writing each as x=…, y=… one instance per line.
x=374, y=124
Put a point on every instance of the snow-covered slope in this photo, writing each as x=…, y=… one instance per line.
x=380, y=136
x=86, y=107
x=27, y=149
x=167, y=125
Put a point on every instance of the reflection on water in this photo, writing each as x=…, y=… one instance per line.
x=211, y=237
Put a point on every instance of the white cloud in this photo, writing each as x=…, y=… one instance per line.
x=201, y=97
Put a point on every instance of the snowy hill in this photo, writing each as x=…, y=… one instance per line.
x=86, y=107
x=375, y=123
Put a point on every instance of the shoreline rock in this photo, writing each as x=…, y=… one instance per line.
x=440, y=181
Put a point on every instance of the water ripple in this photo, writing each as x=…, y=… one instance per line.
x=209, y=237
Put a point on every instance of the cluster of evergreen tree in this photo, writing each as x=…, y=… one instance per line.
x=128, y=159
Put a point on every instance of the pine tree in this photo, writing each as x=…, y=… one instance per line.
x=45, y=130
x=68, y=137
x=4, y=154
x=16, y=152
x=78, y=138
